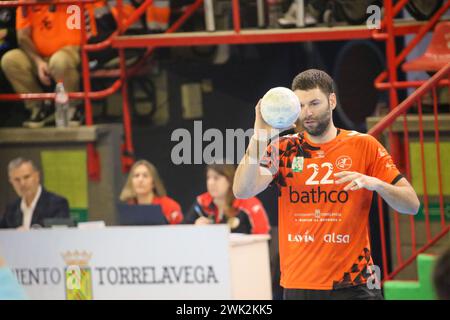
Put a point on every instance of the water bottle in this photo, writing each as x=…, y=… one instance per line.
x=61, y=106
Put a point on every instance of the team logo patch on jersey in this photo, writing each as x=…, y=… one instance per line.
x=297, y=164
x=344, y=162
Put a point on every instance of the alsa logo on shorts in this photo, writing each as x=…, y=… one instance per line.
x=336, y=238
x=344, y=162
x=301, y=238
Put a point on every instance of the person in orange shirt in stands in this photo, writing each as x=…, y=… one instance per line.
x=48, y=52
x=157, y=14
x=326, y=177
x=218, y=205
x=144, y=186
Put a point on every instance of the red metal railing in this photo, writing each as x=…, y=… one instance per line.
x=400, y=112
x=388, y=33
x=87, y=95
x=393, y=61
x=400, y=146
x=92, y=154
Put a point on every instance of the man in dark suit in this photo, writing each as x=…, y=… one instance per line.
x=35, y=203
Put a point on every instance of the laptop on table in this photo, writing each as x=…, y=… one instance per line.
x=140, y=215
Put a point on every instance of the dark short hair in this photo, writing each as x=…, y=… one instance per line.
x=441, y=276
x=314, y=78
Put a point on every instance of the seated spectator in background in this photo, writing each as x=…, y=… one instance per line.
x=10, y=289
x=35, y=203
x=8, y=38
x=144, y=186
x=441, y=276
x=218, y=204
x=157, y=14
x=48, y=52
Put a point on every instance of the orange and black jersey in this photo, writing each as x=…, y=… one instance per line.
x=323, y=230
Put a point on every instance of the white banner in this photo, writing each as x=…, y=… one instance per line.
x=155, y=262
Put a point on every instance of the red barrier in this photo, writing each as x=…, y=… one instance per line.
x=87, y=95
x=399, y=112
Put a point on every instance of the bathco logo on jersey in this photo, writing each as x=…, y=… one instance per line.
x=318, y=177
x=317, y=195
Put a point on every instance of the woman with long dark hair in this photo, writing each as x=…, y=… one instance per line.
x=218, y=204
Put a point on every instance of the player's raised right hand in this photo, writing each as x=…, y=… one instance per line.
x=263, y=131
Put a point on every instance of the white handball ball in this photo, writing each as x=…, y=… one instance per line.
x=280, y=107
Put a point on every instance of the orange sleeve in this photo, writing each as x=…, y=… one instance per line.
x=380, y=163
x=172, y=210
x=23, y=17
x=259, y=217
x=127, y=10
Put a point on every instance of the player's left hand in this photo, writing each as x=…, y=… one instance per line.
x=357, y=181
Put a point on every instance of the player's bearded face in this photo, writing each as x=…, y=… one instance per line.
x=316, y=111
x=316, y=125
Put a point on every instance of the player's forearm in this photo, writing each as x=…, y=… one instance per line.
x=401, y=198
x=247, y=180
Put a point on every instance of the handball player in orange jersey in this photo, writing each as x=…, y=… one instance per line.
x=326, y=177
